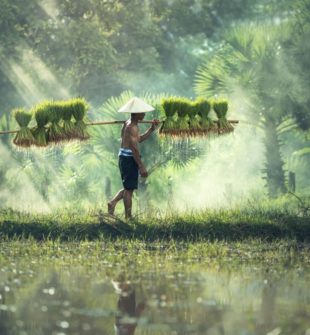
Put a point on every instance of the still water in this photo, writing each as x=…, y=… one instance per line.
x=100, y=291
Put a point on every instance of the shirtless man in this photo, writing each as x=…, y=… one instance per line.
x=130, y=163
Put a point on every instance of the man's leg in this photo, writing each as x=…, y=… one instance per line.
x=127, y=196
x=111, y=204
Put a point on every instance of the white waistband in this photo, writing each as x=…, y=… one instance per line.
x=125, y=152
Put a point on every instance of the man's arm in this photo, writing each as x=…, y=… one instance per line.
x=147, y=134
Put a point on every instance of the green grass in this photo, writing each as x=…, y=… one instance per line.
x=123, y=251
x=224, y=225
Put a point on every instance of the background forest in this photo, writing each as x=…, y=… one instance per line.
x=256, y=55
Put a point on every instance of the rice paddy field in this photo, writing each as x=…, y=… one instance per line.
x=220, y=239
x=220, y=272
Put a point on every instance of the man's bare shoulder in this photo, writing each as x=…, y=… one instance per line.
x=131, y=128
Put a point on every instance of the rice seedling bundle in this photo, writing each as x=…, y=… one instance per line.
x=54, y=120
x=54, y=123
x=23, y=137
x=79, y=109
x=181, y=106
x=67, y=125
x=204, y=107
x=220, y=108
x=41, y=116
x=55, y=132
x=194, y=119
x=169, y=124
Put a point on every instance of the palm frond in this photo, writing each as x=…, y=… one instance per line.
x=287, y=125
x=213, y=76
x=302, y=152
x=241, y=39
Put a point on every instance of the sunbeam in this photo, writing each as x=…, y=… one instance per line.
x=22, y=82
x=49, y=7
x=32, y=78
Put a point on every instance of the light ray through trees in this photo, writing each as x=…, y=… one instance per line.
x=32, y=78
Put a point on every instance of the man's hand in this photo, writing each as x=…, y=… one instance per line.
x=143, y=172
x=155, y=123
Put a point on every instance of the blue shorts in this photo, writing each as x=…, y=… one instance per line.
x=129, y=169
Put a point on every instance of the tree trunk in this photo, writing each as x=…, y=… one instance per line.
x=291, y=185
x=274, y=165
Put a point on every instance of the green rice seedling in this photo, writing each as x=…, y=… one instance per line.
x=55, y=132
x=194, y=119
x=40, y=113
x=24, y=137
x=168, y=126
x=203, y=109
x=181, y=107
x=79, y=109
x=220, y=108
x=68, y=126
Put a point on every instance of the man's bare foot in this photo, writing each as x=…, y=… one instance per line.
x=129, y=218
x=111, y=208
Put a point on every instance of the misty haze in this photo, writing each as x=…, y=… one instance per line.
x=154, y=167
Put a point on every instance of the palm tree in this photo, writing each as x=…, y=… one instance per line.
x=251, y=61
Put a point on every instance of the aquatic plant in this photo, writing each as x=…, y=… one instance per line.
x=220, y=108
x=55, y=131
x=169, y=124
x=194, y=119
x=68, y=126
x=24, y=137
x=40, y=113
x=181, y=106
x=79, y=108
x=204, y=107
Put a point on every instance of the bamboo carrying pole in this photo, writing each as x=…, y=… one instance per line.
x=99, y=123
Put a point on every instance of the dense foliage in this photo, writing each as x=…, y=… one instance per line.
x=100, y=48
x=256, y=55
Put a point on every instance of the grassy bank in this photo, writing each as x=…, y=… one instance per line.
x=126, y=253
x=227, y=225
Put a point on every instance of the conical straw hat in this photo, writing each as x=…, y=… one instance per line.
x=136, y=105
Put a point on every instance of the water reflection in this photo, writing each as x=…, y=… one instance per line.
x=268, y=305
x=70, y=301
x=129, y=310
